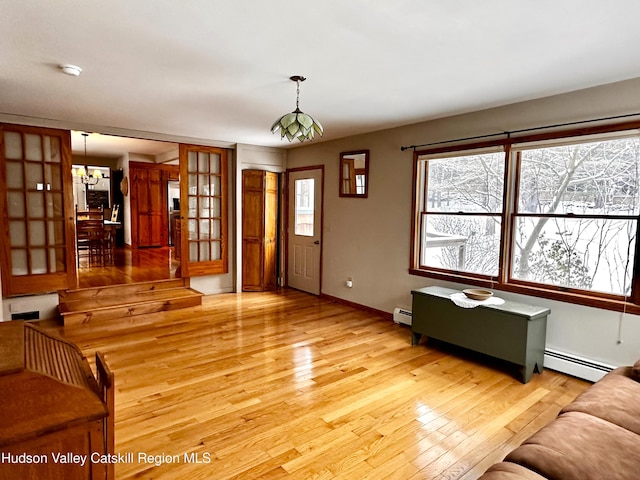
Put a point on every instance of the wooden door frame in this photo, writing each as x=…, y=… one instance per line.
x=166, y=172
x=286, y=208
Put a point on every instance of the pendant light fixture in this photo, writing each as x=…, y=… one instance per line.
x=81, y=174
x=297, y=124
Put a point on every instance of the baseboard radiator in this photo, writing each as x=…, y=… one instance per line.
x=574, y=365
x=402, y=315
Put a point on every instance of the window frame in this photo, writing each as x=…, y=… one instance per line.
x=510, y=214
x=425, y=211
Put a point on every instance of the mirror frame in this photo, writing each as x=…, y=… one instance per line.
x=343, y=159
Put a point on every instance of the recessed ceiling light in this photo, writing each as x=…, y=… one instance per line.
x=73, y=70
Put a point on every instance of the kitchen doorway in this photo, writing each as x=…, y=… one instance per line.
x=131, y=264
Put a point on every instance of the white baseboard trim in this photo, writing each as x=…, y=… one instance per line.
x=574, y=365
x=216, y=291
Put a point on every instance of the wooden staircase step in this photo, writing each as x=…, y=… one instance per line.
x=121, y=290
x=122, y=301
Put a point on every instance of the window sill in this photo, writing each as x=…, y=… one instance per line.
x=548, y=293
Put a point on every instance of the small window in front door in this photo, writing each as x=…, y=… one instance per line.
x=304, y=207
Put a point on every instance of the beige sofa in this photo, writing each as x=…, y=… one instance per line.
x=596, y=437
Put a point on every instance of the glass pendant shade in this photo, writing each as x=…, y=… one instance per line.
x=297, y=124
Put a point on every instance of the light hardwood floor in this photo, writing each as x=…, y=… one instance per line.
x=284, y=385
x=131, y=265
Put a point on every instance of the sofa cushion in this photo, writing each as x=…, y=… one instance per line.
x=579, y=446
x=510, y=471
x=614, y=398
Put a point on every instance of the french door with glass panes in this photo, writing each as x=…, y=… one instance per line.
x=36, y=204
x=203, y=210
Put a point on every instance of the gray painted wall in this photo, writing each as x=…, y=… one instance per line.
x=369, y=239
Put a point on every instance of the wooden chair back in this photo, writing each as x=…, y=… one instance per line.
x=91, y=214
x=114, y=212
x=90, y=241
x=88, y=229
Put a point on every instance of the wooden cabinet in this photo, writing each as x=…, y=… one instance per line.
x=259, y=230
x=514, y=332
x=52, y=407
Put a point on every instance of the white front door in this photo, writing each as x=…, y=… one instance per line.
x=305, y=229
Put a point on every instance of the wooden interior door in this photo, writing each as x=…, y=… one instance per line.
x=36, y=207
x=259, y=229
x=253, y=223
x=270, y=230
x=203, y=210
x=149, y=206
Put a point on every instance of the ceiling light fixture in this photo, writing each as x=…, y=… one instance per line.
x=297, y=124
x=81, y=174
x=72, y=70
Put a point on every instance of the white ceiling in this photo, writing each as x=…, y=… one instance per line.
x=219, y=69
x=109, y=146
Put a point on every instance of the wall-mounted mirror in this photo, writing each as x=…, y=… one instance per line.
x=354, y=174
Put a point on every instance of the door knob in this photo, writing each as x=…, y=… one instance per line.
x=317, y=242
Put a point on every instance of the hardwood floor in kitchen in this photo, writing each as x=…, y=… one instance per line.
x=285, y=385
x=130, y=265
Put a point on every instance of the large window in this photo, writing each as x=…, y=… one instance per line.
x=461, y=213
x=555, y=217
x=577, y=215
